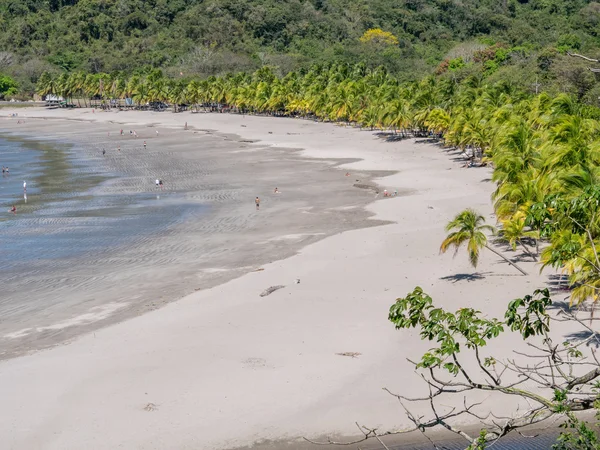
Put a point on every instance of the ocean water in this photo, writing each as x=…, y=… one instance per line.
x=68, y=223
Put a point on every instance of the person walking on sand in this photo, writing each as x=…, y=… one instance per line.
x=144, y=145
x=160, y=182
x=257, y=202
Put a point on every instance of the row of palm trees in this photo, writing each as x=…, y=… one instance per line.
x=544, y=150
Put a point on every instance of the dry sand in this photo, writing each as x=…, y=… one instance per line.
x=224, y=367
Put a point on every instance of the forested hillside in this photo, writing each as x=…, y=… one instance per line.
x=205, y=37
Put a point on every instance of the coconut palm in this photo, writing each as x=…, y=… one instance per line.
x=468, y=228
x=514, y=230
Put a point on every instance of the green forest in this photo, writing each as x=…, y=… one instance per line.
x=525, y=40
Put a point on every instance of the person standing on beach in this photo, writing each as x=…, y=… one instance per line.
x=103, y=152
x=157, y=183
x=257, y=203
x=24, y=186
x=160, y=182
x=144, y=145
x=121, y=131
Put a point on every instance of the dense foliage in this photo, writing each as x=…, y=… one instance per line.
x=517, y=39
x=545, y=150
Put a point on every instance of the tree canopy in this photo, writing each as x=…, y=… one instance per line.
x=518, y=39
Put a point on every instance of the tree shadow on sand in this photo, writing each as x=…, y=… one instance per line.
x=431, y=140
x=592, y=336
x=519, y=255
x=558, y=283
x=464, y=277
x=392, y=137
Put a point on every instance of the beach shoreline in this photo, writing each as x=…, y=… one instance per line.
x=224, y=367
x=205, y=208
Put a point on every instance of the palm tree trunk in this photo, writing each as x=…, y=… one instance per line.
x=527, y=250
x=506, y=259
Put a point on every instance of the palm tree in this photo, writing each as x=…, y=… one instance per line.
x=468, y=228
x=513, y=230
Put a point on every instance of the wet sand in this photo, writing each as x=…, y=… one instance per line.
x=139, y=247
x=224, y=367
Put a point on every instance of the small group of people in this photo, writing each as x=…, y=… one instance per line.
x=257, y=200
x=131, y=133
x=390, y=194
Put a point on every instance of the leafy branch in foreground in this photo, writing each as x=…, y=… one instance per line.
x=548, y=380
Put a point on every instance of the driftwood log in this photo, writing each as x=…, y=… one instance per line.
x=270, y=290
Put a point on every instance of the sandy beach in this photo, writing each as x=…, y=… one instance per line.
x=97, y=241
x=224, y=367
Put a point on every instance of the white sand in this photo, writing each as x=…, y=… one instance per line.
x=226, y=367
